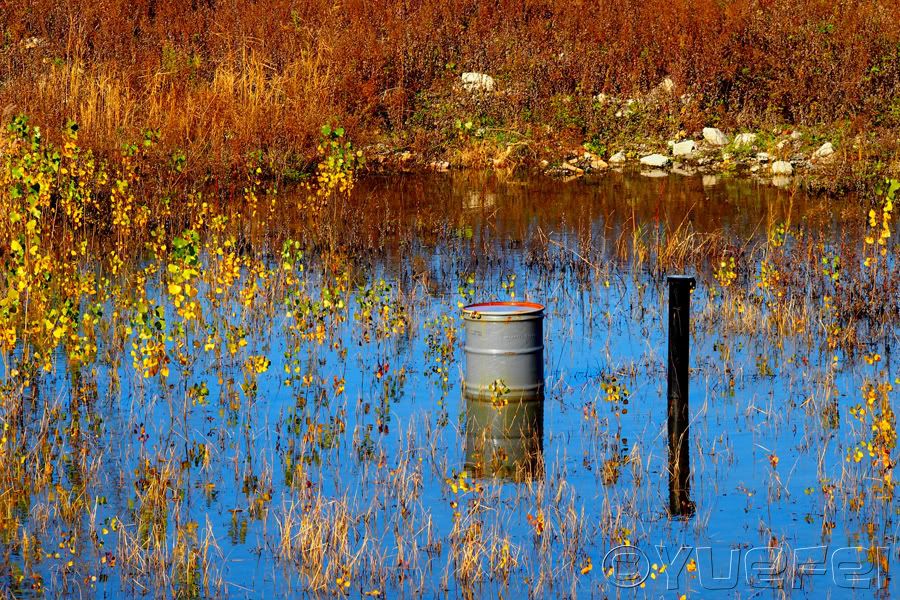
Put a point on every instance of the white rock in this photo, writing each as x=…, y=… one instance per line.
x=617, y=159
x=598, y=164
x=477, y=82
x=684, y=148
x=666, y=86
x=744, y=139
x=763, y=157
x=796, y=135
x=782, y=167
x=824, y=150
x=714, y=136
x=655, y=160
x=601, y=98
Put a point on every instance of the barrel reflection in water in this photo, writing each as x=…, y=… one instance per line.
x=504, y=389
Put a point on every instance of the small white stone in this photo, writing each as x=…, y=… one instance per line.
x=744, y=139
x=684, y=148
x=597, y=164
x=824, y=151
x=796, y=135
x=477, y=82
x=617, y=158
x=666, y=86
x=655, y=160
x=714, y=136
x=763, y=157
x=782, y=167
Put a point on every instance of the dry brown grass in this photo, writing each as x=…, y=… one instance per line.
x=220, y=79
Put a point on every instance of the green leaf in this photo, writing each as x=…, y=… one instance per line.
x=326, y=130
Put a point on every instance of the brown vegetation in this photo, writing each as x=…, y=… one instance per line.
x=220, y=79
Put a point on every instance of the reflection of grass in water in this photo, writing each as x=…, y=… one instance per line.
x=205, y=386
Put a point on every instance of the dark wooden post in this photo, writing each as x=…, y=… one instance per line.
x=680, y=287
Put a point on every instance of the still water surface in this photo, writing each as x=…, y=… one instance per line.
x=352, y=440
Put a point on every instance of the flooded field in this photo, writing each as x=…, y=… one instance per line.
x=264, y=398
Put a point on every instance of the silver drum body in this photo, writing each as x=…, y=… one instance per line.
x=504, y=388
x=504, y=341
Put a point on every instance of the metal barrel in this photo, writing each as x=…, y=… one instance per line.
x=503, y=389
x=504, y=342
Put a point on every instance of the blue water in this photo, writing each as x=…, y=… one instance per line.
x=383, y=449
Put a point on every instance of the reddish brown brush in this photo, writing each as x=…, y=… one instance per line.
x=222, y=78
